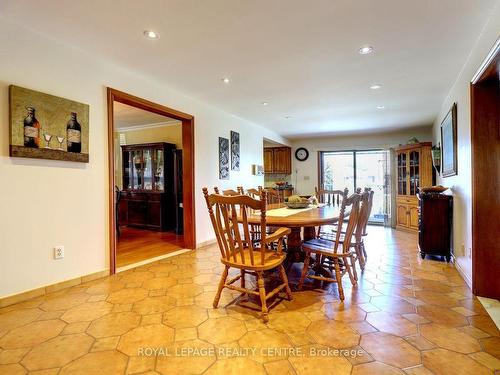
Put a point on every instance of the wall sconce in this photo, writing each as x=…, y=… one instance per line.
x=436, y=157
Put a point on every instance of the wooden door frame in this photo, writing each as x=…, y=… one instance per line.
x=484, y=230
x=187, y=165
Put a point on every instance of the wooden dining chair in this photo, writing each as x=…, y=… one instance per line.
x=229, y=217
x=230, y=192
x=371, y=193
x=357, y=242
x=338, y=249
x=329, y=197
x=254, y=193
x=274, y=196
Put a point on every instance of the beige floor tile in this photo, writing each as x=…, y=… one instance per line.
x=32, y=334
x=443, y=362
x=220, y=331
x=57, y=352
x=450, y=338
x=390, y=349
x=97, y=363
x=134, y=342
x=105, y=343
x=375, y=368
x=114, y=324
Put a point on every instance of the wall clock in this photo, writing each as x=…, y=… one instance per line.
x=301, y=154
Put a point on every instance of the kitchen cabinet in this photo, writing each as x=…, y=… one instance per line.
x=278, y=160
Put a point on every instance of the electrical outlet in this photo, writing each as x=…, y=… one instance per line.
x=306, y=178
x=58, y=252
x=469, y=252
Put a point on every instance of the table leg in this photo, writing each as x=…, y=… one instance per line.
x=294, y=248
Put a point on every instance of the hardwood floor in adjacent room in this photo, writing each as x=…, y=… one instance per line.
x=407, y=316
x=135, y=245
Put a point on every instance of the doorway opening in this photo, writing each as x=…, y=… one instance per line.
x=359, y=169
x=151, y=179
x=485, y=144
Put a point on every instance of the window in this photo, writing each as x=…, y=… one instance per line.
x=353, y=169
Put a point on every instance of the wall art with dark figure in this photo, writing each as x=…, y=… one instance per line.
x=223, y=158
x=449, y=143
x=44, y=126
x=235, y=151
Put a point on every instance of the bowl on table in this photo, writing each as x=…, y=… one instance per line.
x=297, y=204
x=432, y=189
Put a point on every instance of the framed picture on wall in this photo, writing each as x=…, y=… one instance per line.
x=235, y=151
x=449, y=143
x=44, y=126
x=223, y=158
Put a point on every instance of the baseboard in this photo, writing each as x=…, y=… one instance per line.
x=462, y=273
x=37, y=292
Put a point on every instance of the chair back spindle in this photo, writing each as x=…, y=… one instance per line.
x=329, y=196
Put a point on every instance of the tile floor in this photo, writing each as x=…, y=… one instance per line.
x=408, y=316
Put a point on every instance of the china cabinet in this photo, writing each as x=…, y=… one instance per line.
x=148, y=199
x=413, y=169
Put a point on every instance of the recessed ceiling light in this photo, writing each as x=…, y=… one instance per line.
x=150, y=34
x=381, y=107
x=375, y=86
x=264, y=103
x=365, y=50
x=226, y=80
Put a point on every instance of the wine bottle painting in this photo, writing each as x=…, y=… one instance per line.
x=44, y=126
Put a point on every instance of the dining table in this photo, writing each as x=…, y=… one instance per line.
x=302, y=223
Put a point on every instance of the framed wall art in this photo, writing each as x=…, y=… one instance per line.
x=44, y=126
x=223, y=158
x=449, y=143
x=235, y=151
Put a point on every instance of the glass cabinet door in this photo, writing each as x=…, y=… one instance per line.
x=148, y=169
x=414, y=171
x=127, y=170
x=402, y=173
x=138, y=177
x=158, y=164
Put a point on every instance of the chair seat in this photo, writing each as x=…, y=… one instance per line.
x=271, y=260
x=322, y=246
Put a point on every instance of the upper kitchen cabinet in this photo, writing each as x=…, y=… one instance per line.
x=278, y=160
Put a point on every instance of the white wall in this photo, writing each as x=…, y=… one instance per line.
x=46, y=203
x=305, y=173
x=460, y=184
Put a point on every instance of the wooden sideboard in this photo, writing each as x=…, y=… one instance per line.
x=435, y=224
x=413, y=169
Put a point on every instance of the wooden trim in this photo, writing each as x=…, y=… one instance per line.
x=46, y=153
x=320, y=169
x=412, y=146
x=485, y=138
x=187, y=164
x=37, y=292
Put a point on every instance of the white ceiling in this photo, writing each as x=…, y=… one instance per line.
x=126, y=117
x=298, y=55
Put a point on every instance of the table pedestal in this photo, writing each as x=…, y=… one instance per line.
x=295, y=253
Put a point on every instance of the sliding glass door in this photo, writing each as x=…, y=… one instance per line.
x=353, y=169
